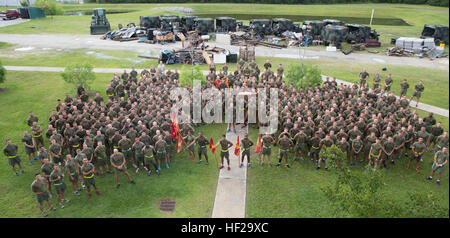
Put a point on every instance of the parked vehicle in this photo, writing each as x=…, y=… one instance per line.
x=11, y=14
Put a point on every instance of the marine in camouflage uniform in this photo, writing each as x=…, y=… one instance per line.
x=118, y=161
x=10, y=151
x=137, y=148
x=246, y=144
x=442, y=141
x=388, y=148
x=315, y=147
x=404, y=88
x=161, y=151
x=357, y=146
x=388, y=83
x=376, y=83
x=57, y=179
x=224, y=153
x=267, y=142
x=88, y=172
x=72, y=168
x=38, y=188
x=375, y=153
x=418, y=89
x=36, y=131
x=46, y=169
x=285, y=143
x=202, y=143
x=148, y=152
x=440, y=160
x=362, y=78
x=324, y=144
x=301, y=140
x=189, y=141
x=125, y=145
x=102, y=158
x=30, y=150
x=418, y=149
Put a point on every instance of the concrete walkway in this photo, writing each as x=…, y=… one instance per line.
x=231, y=191
x=422, y=106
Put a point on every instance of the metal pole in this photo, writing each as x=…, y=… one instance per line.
x=371, y=17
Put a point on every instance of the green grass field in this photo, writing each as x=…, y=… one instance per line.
x=192, y=186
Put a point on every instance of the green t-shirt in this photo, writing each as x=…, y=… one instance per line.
x=47, y=168
x=38, y=186
x=376, y=149
x=441, y=157
x=87, y=167
x=10, y=150
x=285, y=144
x=54, y=175
x=117, y=159
x=419, y=147
x=71, y=166
x=137, y=148
x=100, y=152
x=246, y=143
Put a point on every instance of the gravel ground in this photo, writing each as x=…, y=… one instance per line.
x=12, y=22
x=94, y=42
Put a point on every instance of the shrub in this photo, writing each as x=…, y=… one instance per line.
x=302, y=76
x=188, y=75
x=2, y=73
x=79, y=74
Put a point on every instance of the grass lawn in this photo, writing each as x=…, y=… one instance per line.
x=192, y=186
x=435, y=80
x=296, y=192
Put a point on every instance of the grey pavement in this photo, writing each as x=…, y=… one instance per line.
x=422, y=106
x=65, y=41
x=230, y=200
x=4, y=23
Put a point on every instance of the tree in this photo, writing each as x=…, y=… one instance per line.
x=24, y=3
x=188, y=75
x=50, y=7
x=79, y=74
x=2, y=73
x=302, y=76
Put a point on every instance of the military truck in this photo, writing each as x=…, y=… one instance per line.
x=438, y=32
x=149, y=22
x=260, y=26
x=358, y=33
x=280, y=25
x=334, y=22
x=334, y=34
x=167, y=22
x=188, y=23
x=99, y=24
x=225, y=24
x=204, y=25
x=313, y=27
